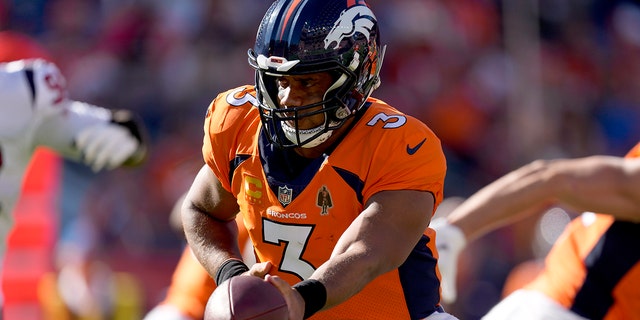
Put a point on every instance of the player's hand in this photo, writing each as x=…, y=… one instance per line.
x=106, y=145
x=449, y=241
x=294, y=300
x=260, y=269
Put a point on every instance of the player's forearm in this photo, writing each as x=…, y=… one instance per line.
x=379, y=240
x=212, y=241
x=347, y=274
x=600, y=184
x=354, y=264
x=514, y=196
x=100, y=137
x=58, y=130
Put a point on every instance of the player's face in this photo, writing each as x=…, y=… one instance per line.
x=300, y=90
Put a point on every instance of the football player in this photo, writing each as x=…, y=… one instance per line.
x=593, y=269
x=35, y=111
x=335, y=188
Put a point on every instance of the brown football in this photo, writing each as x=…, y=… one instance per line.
x=246, y=298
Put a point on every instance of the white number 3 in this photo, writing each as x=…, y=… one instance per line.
x=294, y=238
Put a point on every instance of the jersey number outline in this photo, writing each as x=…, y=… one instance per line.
x=56, y=84
x=235, y=101
x=295, y=238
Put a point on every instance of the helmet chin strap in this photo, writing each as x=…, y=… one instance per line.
x=306, y=134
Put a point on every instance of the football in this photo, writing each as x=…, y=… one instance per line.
x=246, y=298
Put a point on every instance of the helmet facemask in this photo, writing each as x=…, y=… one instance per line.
x=282, y=124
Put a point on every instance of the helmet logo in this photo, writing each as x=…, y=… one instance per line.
x=352, y=20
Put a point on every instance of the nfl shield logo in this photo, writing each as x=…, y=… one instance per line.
x=285, y=195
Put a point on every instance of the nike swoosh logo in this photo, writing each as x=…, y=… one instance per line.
x=413, y=150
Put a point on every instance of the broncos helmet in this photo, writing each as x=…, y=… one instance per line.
x=298, y=37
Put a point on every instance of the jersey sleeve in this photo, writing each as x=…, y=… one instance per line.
x=57, y=119
x=16, y=93
x=411, y=158
x=226, y=130
x=35, y=96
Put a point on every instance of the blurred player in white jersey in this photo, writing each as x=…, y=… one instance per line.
x=35, y=111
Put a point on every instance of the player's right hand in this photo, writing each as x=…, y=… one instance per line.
x=260, y=269
x=106, y=145
x=449, y=242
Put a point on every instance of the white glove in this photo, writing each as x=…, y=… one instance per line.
x=106, y=145
x=449, y=242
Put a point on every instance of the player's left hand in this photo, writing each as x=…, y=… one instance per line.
x=294, y=300
x=106, y=145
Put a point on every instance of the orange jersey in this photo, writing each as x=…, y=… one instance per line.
x=190, y=286
x=594, y=267
x=296, y=209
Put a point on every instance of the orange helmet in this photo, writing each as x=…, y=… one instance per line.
x=16, y=46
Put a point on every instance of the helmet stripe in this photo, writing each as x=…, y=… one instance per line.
x=287, y=18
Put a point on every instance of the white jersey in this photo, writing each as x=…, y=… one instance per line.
x=35, y=111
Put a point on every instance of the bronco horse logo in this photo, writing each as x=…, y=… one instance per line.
x=352, y=20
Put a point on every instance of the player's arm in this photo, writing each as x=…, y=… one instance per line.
x=601, y=184
x=99, y=137
x=378, y=241
x=598, y=183
x=208, y=214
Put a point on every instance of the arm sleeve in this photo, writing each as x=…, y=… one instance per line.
x=229, y=125
x=57, y=130
x=34, y=95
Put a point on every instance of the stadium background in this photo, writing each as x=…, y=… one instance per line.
x=501, y=82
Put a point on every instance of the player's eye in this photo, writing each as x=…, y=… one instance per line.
x=282, y=82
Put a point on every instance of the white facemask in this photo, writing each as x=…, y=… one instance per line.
x=305, y=134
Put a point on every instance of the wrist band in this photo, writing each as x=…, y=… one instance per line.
x=127, y=120
x=230, y=268
x=314, y=294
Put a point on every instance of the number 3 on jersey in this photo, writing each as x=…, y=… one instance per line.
x=294, y=238
x=390, y=121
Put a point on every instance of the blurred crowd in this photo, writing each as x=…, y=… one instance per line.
x=501, y=82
